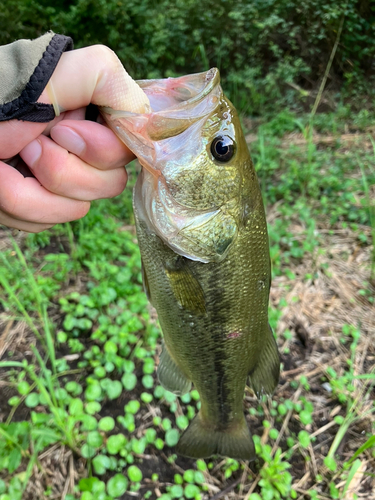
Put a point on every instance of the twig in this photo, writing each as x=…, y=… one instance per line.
x=305, y=492
x=328, y=68
x=286, y=422
x=314, y=434
x=227, y=490
x=4, y=337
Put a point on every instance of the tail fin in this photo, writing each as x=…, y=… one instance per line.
x=202, y=441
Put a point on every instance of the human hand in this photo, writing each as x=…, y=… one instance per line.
x=73, y=160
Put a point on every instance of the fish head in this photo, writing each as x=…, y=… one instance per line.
x=195, y=163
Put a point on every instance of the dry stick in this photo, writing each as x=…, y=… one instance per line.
x=305, y=492
x=227, y=490
x=328, y=68
x=4, y=336
x=314, y=434
x=285, y=423
x=71, y=474
x=313, y=460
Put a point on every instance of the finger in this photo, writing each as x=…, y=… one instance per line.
x=67, y=175
x=23, y=198
x=95, y=74
x=95, y=144
x=22, y=225
x=16, y=134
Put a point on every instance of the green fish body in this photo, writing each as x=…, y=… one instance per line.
x=202, y=233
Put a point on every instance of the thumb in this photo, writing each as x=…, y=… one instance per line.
x=94, y=75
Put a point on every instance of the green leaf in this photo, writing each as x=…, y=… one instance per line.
x=304, y=438
x=148, y=381
x=89, y=423
x=150, y=435
x=306, y=417
x=94, y=439
x=101, y=463
x=114, y=390
x=92, y=484
x=32, y=400
x=199, y=477
x=13, y=401
x=74, y=388
x=370, y=443
x=330, y=462
x=23, y=388
x=139, y=445
x=171, y=437
x=106, y=424
x=86, y=495
x=93, y=392
x=129, y=381
x=135, y=474
x=189, y=476
x=75, y=406
x=132, y=407
x=88, y=451
x=146, y=397
x=177, y=491
x=353, y=470
x=191, y=491
x=110, y=347
x=14, y=460
x=115, y=443
x=93, y=407
x=117, y=485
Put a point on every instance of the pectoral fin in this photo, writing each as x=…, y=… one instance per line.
x=170, y=375
x=186, y=288
x=265, y=377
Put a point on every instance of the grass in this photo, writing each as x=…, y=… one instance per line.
x=82, y=414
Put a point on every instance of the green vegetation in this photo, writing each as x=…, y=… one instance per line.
x=271, y=53
x=79, y=342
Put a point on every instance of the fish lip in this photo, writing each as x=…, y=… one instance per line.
x=210, y=80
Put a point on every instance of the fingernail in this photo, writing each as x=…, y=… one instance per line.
x=31, y=153
x=68, y=139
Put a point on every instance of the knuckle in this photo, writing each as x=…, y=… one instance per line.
x=104, y=53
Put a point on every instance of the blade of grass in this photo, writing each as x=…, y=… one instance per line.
x=370, y=443
x=7, y=287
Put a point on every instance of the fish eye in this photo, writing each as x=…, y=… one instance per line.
x=223, y=148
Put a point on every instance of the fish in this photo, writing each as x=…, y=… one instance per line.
x=202, y=233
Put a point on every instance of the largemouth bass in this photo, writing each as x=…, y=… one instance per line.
x=203, y=238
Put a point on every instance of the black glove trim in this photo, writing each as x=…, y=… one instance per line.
x=25, y=106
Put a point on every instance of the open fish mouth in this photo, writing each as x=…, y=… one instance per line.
x=176, y=103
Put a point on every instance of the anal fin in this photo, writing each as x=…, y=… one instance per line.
x=170, y=375
x=265, y=376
